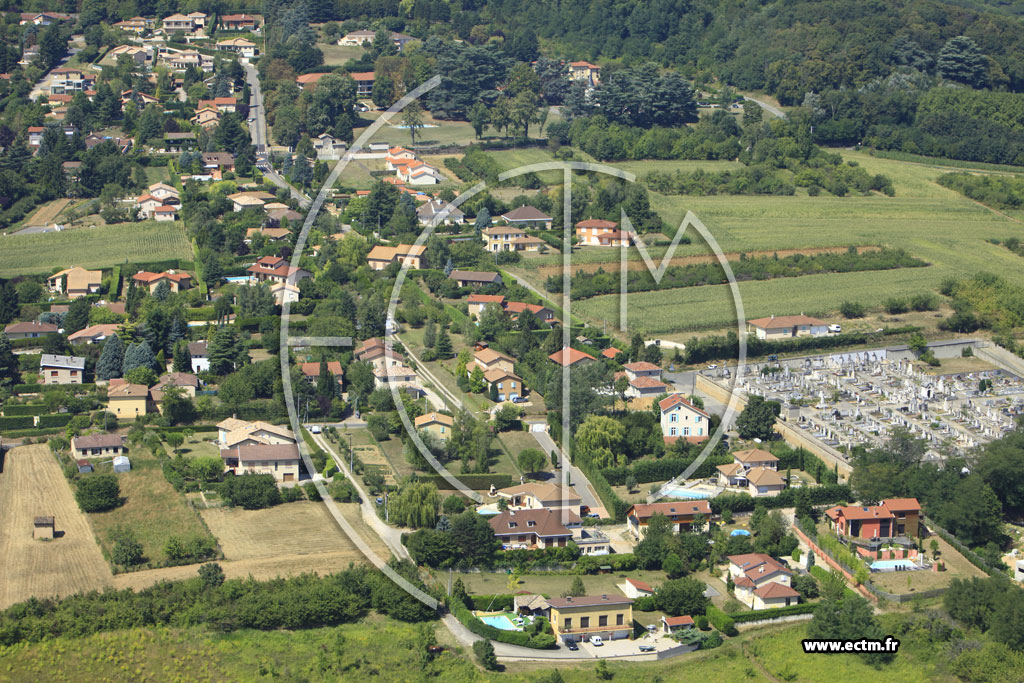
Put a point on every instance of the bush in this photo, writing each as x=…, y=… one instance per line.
x=646, y=603
x=251, y=491
x=484, y=652
x=17, y=422
x=702, y=622
x=711, y=641
x=98, y=492
x=343, y=491
x=27, y=409
x=311, y=492
x=720, y=620
x=290, y=494
x=774, y=613
x=60, y=420
x=852, y=309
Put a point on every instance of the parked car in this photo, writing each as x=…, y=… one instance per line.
x=835, y=328
x=519, y=399
x=593, y=515
x=571, y=645
x=646, y=648
x=713, y=366
x=315, y=429
x=596, y=641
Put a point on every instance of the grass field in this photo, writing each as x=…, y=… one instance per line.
x=152, y=510
x=957, y=566
x=337, y=55
x=46, y=214
x=446, y=132
x=553, y=585
x=99, y=247
x=31, y=485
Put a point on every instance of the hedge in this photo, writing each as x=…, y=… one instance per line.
x=720, y=620
x=774, y=613
x=477, y=482
x=817, y=495
x=204, y=314
x=478, y=627
x=195, y=428
x=663, y=469
x=28, y=343
x=60, y=420
x=615, y=506
x=12, y=411
x=17, y=422
x=492, y=603
x=26, y=433
x=971, y=556
x=718, y=347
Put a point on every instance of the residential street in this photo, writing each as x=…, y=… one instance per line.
x=576, y=477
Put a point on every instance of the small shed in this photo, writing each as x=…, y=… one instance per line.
x=673, y=624
x=84, y=467
x=42, y=528
x=122, y=464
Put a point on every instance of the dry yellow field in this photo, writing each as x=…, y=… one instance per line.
x=31, y=485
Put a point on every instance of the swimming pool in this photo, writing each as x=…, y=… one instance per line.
x=893, y=565
x=690, y=494
x=238, y=278
x=499, y=621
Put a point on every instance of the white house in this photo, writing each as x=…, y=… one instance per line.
x=200, y=356
x=786, y=326
x=682, y=419
x=632, y=588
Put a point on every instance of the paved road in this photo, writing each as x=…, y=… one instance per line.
x=258, y=133
x=579, y=481
x=440, y=396
x=774, y=111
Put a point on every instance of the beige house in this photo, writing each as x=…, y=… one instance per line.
x=787, y=326
x=681, y=514
x=532, y=528
x=585, y=72
x=594, y=232
x=311, y=371
x=579, y=618
x=232, y=433
x=538, y=495
x=75, y=282
x=29, y=330
x=279, y=460
x=177, y=281
x=127, y=401
x=61, y=369
x=527, y=217
x=507, y=384
x=754, y=469
x=476, y=303
x=761, y=582
x=208, y=117
x=97, y=445
x=94, y=334
x=571, y=357
x=680, y=419
x=436, y=424
x=489, y=359
x=380, y=257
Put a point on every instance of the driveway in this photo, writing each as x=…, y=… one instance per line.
x=579, y=482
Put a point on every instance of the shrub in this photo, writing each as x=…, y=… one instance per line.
x=720, y=620
x=251, y=491
x=646, y=603
x=98, y=492
x=711, y=641
x=852, y=309
x=702, y=622
x=343, y=491
x=61, y=420
x=127, y=550
x=311, y=492
x=484, y=652
x=17, y=422
x=290, y=494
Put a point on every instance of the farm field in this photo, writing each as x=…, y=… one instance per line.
x=152, y=510
x=31, y=485
x=98, y=247
x=46, y=213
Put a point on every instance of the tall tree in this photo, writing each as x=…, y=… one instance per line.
x=78, y=316
x=9, y=369
x=138, y=356
x=111, y=362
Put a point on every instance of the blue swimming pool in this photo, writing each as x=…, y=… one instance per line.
x=499, y=621
x=238, y=278
x=689, y=494
x=893, y=565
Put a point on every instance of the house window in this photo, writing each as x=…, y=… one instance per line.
x=74, y=373
x=531, y=523
x=442, y=429
x=511, y=525
x=673, y=432
x=584, y=622
x=618, y=619
x=696, y=419
x=568, y=624
x=53, y=373
x=686, y=431
x=674, y=418
x=602, y=620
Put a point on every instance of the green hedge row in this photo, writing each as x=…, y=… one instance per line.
x=775, y=613
x=720, y=620
x=60, y=420
x=477, y=482
x=28, y=343
x=971, y=556
x=478, y=627
x=817, y=495
x=615, y=506
x=195, y=428
x=28, y=409
x=27, y=388
x=17, y=422
x=205, y=314
x=26, y=433
x=492, y=603
x=646, y=470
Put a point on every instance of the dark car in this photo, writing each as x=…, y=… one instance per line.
x=646, y=648
x=571, y=644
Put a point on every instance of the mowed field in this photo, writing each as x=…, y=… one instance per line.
x=927, y=220
x=31, y=485
x=97, y=247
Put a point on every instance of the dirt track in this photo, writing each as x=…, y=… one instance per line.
x=612, y=265
x=32, y=485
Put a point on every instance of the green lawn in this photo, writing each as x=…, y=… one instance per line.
x=153, y=511
x=337, y=55
x=197, y=446
x=552, y=585
x=444, y=132
x=99, y=247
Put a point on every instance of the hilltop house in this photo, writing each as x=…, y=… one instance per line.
x=437, y=212
x=241, y=22
x=595, y=232
x=273, y=269
x=585, y=72
x=75, y=282
x=437, y=424
x=632, y=588
x=509, y=238
x=475, y=278
x=507, y=385
x=200, y=356
x=579, y=618
x=94, y=334
x=246, y=49
x=540, y=495
x=178, y=282
x=28, y=330
x=680, y=419
x=279, y=460
x=755, y=469
x=571, y=357
x=527, y=217
x=532, y=528
x=681, y=514
x=380, y=257
x=761, y=582
x=61, y=369
x=233, y=432
x=890, y=518
x=311, y=371
x=477, y=302
x=126, y=400
x=97, y=445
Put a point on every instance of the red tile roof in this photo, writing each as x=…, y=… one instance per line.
x=677, y=399
x=569, y=356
